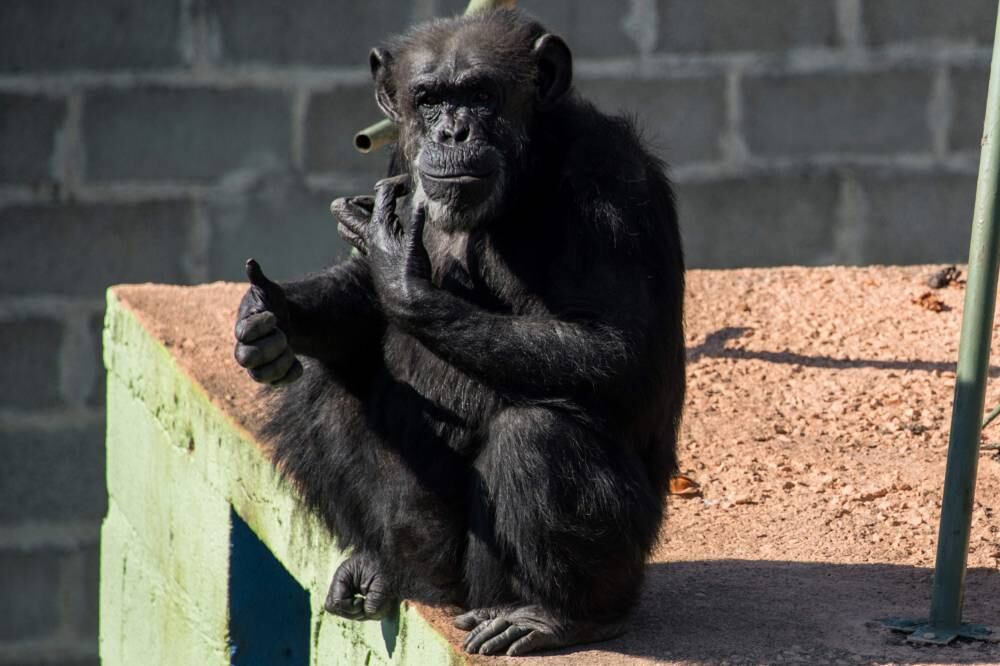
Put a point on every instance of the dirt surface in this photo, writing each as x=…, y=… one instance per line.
x=817, y=425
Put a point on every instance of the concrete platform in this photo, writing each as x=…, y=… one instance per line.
x=816, y=423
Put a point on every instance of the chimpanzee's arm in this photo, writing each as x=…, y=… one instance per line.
x=333, y=314
x=543, y=357
x=530, y=356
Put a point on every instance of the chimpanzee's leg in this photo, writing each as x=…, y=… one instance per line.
x=563, y=517
x=368, y=460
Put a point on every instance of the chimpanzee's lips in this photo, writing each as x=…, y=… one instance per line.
x=457, y=178
x=458, y=188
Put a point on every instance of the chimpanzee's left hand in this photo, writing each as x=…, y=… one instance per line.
x=401, y=269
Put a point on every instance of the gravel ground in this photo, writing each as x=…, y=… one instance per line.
x=816, y=425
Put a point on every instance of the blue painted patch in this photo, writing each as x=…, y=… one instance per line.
x=390, y=630
x=268, y=609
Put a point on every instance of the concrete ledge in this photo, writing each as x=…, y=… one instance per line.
x=816, y=423
x=180, y=465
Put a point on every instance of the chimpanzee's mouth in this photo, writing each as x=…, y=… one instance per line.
x=465, y=187
x=455, y=167
x=457, y=178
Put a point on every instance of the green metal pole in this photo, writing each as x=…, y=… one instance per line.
x=970, y=383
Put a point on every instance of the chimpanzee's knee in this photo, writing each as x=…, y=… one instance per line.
x=562, y=515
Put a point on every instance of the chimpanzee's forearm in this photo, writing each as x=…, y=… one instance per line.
x=334, y=314
x=532, y=357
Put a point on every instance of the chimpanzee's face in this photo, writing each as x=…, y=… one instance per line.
x=465, y=127
x=464, y=101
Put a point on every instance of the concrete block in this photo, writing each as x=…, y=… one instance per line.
x=52, y=474
x=32, y=366
x=28, y=127
x=311, y=32
x=145, y=617
x=758, y=221
x=592, y=29
x=29, y=587
x=835, y=112
x=79, y=249
x=968, y=107
x=331, y=121
x=918, y=218
x=286, y=227
x=682, y=118
x=406, y=639
x=958, y=21
x=738, y=25
x=180, y=519
x=38, y=35
x=188, y=135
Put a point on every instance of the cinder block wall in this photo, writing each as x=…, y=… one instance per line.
x=167, y=140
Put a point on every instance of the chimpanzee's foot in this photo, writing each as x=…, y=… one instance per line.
x=359, y=591
x=518, y=630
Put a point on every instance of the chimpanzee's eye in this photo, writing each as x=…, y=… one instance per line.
x=428, y=99
x=483, y=97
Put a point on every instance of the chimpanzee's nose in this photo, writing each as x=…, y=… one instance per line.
x=455, y=132
x=461, y=131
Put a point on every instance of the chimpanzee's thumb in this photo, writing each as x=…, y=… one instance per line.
x=270, y=292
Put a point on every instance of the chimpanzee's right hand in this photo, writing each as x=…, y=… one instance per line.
x=261, y=345
x=353, y=214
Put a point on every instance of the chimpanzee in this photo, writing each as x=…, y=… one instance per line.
x=491, y=386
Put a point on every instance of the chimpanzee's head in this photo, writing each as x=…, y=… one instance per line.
x=464, y=93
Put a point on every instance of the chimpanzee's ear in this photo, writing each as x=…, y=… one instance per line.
x=380, y=62
x=555, y=68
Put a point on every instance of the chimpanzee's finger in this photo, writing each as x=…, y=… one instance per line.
x=484, y=632
x=275, y=370
x=533, y=641
x=378, y=599
x=400, y=185
x=418, y=264
x=352, y=215
x=342, y=600
x=262, y=351
x=385, y=204
x=471, y=619
x=351, y=237
x=364, y=202
x=293, y=373
x=256, y=326
x=387, y=191
x=501, y=642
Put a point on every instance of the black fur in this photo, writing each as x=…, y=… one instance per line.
x=510, y=443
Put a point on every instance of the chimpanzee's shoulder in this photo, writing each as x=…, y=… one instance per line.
x=603, y=152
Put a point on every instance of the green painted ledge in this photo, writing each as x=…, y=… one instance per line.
x=179, y=467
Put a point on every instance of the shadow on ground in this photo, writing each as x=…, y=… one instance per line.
x=767, y=612
x=714, y=346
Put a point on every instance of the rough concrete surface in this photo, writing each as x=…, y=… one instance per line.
x=817, y=424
